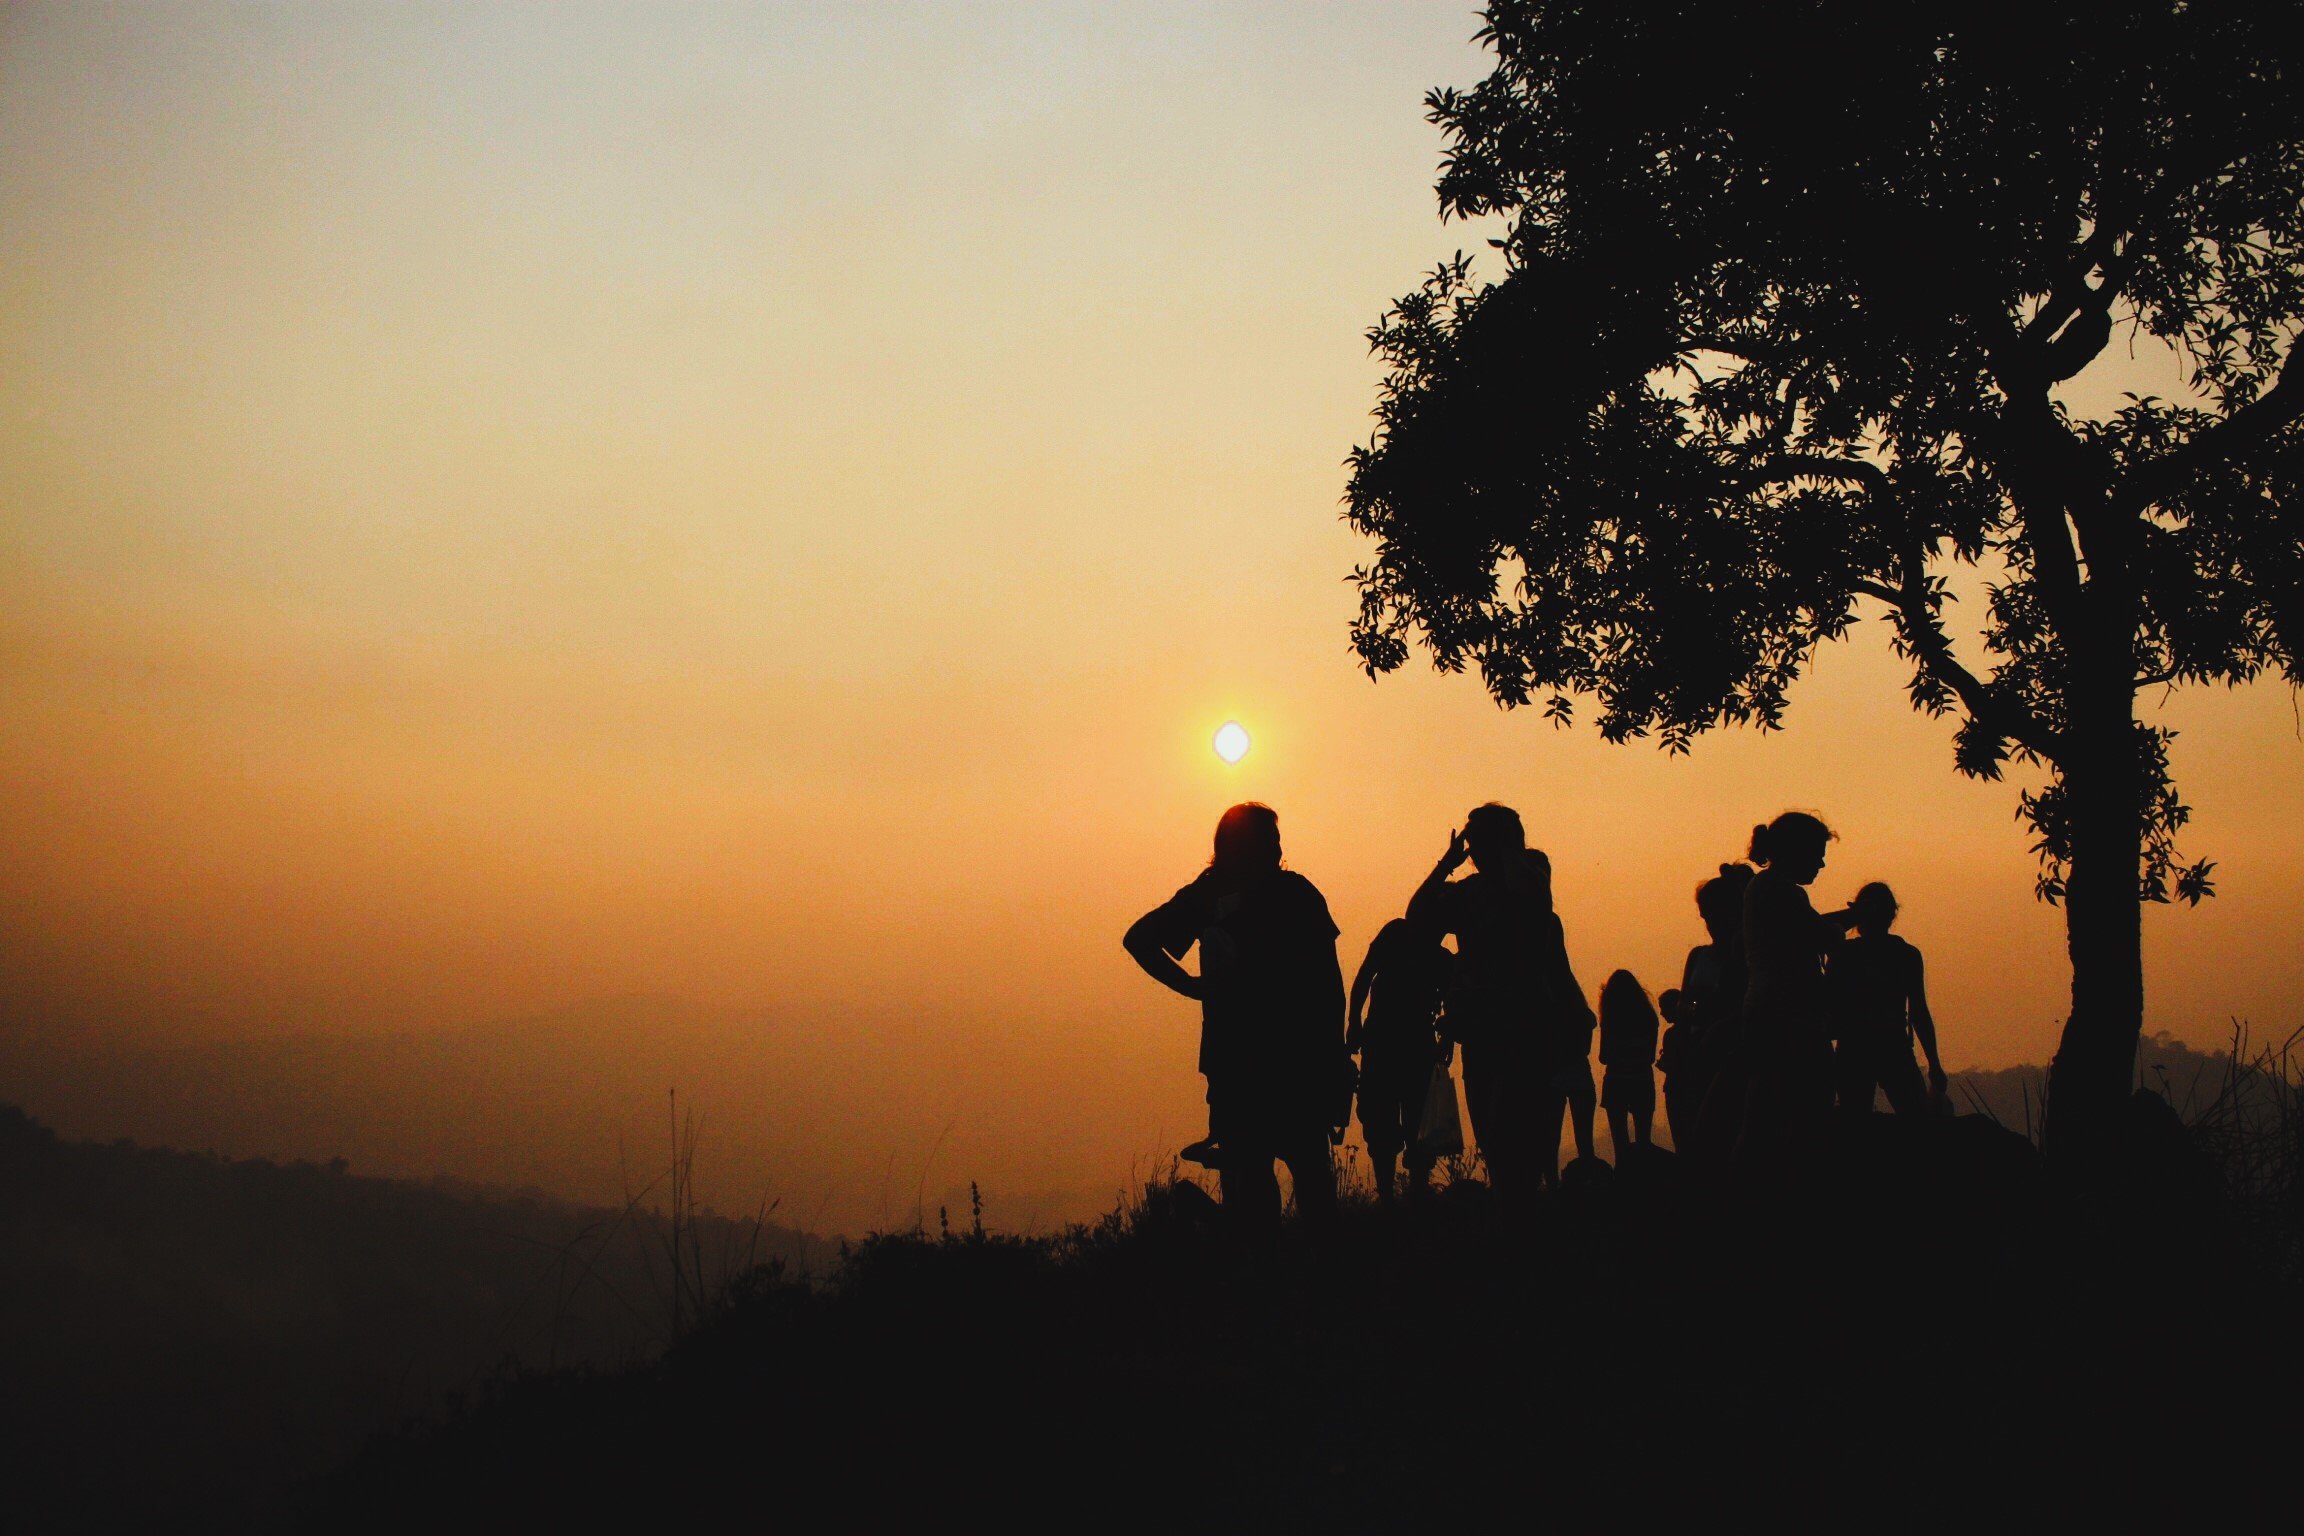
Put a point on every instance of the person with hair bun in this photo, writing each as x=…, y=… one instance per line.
x=1786, y=1019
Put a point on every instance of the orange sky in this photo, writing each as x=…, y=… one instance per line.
x=510, y=508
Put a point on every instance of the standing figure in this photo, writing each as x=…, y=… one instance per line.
x=1787, y=1029
x=1395, y=1010
x=1880, y=997
x=1704, y=1012
x=1271, y=1013
x=1515, y=1004
x=1628, y=1052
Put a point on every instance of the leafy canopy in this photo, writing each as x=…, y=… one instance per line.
x=1787, y=289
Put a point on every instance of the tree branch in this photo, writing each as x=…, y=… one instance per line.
x=1926, y=639
x=1750, y=350
x=1820, y=466
x=2223, y=442
x=2073, y=293
x=1909, y=601
x=2031, y=458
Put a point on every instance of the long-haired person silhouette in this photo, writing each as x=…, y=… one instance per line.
x=1787, y=1028
x=1515, y=1005
x=1880, y=1005
x=1272, y=1014
x=1705, y=1040
x=1628, y=1052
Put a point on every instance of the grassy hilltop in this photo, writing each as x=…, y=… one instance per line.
x=1928, y=1325
x=1934, y=1330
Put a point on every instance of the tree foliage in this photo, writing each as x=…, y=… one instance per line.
x=1787, y=293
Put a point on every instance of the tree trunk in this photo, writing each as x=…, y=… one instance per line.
x=2095, y=1066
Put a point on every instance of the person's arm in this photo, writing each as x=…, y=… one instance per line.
x=1441, y=1022
x=1361, y=982
x=1346, y=1078
x=1333, y=985
x=1924, y=1023
x=1570, y=991
x=1327, y=969
x=1695, y=993
x=1671, y=1040
x=1833, y=928
x=1428, y=908
x=1143, y=945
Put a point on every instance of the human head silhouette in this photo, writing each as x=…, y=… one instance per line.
x=1720, y=902
x=1247, y=840
x=1495, y=838
x=1792, y=846
x=1875, y=908
x=1624, y=1000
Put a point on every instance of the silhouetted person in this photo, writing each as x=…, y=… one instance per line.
x=1272, y=1010
x=1787, y=1029
x=1396, y=1001
x=1704, y=1012
x=1515, y=1004
x=1628, y=1052
x=1879, y=995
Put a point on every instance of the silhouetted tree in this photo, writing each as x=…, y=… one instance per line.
x=1788, y=292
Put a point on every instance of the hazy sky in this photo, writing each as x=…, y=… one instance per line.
x=507, y=506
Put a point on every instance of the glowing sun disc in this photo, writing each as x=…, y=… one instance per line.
x=1231, y=742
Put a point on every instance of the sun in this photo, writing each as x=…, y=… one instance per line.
x=1231, y=741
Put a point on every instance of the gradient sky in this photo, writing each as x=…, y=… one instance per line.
x=506, y=507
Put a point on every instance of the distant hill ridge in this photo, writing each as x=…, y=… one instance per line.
x=2188, y=1079
x=859, y=1119
x=170, y=1319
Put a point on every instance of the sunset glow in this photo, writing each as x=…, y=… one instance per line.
x=533, y=541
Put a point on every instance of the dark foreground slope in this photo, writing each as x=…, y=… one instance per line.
x=186, y=1339
x=1932, y=1332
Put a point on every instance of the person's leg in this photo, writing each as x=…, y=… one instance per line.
x=1483, y=1092
x=1251, y=1189
x=1619, y=1130
x=1551, y=1110
x=1809, y=1103
x=1759, y=1112
x=1419, y=1173
x=1644, y=1124
x=1203, y=1151
x=1852, y=1077
x=1391, y=1113
x=1313, y=1172
x=1695, y=1129
x=1900, y=1079
x=1383, y=1159
x=1244, y=1160
x=1581, y=1103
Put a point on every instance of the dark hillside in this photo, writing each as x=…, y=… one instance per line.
x=1931, y=1331
x=183, y=1337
